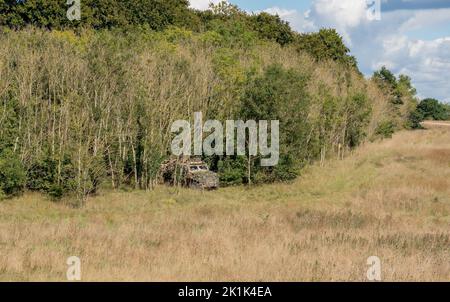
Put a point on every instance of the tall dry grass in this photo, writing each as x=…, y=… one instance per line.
x=389, y=199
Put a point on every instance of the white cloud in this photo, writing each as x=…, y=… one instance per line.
x=344, y=13
x=424, y=18
x=376, y=43
x=428, y=63
x=202, y=4
x=283, y=13
x=297, y=20
x=388, y=42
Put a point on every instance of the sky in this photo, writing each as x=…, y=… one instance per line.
x=411, y=37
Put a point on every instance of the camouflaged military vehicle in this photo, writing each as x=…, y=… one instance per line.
x=189, y=172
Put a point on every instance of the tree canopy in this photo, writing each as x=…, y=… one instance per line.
x=433, y=109
x=157, y=15
x=326, y=44
x=89, y=103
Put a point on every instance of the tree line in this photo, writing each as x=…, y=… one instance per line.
x=160, y=14
x=89, y=105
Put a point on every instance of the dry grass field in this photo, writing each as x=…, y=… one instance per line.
x=389, y=199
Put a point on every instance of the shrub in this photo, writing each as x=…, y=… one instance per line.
x=12, y=174
x=272, y=28
x=358, y=119
x=432, y=109
x=385, y=129
x=326, y=44
x=50, y=176
x=232, y=170
x=415, y=118
x=280, y=94
x=56, y=191
x=428, y=109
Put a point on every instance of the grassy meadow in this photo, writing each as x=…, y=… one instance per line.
x=389, y=199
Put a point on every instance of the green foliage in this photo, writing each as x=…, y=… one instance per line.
x=231, y=22
x=12, y=174
x=385, y=129
x=87, y=108
x=404, y=86
x=447, y=108
x=9, y=122
x=280, y=94
x=388, y=82
x=415, y=118
x=52, y=176
x=232, y=170
x=358, y=113
x=433, y=109
x=385, y=76
x=235, y=32
x=402, y=96
x=272, y=28
x=287, y=169
x=326, y=44
x=157, y=14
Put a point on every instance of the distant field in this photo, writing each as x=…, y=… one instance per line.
x=389, y=199
x=429, y=124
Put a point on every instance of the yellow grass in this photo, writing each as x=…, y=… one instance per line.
x=389, y=199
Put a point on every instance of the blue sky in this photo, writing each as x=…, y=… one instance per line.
x=263, y=4
x=412, y=37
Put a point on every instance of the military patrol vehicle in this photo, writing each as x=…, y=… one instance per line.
x=188, y=172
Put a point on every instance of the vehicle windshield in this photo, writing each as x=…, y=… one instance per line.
x=199, y=168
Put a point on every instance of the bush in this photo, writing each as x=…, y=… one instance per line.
x=41, y=175
x=280, y=94
x=12, y=174
x=324, y=45
x=286, y=170
x=432, y=109
x=232, y=171
x=415, y=118
x=56, y=191
x=428, y=109
x=49, y=176
x=357, y=105
x=51, y=14
x=385, y=129
x=272, y=28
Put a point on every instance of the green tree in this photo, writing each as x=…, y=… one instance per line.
x=358, y=113
x=405, y=86
x=280, y=94
x=272, y=28
x=402, y=96
x=388, y=82
x=432, y=109
x=157, y=14
x=326, y=44
x=415, y=118
x=12, y=174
